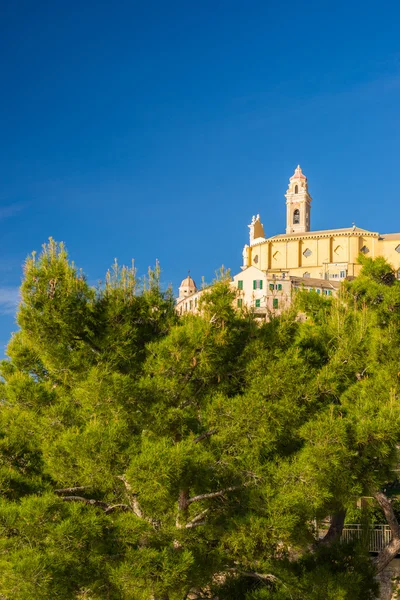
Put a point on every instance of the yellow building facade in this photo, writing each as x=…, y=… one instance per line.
x=301, y=252
x=275, y=268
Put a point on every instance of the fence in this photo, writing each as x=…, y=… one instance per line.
x=379, y=535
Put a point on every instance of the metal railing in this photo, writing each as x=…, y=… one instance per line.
x=378, y=535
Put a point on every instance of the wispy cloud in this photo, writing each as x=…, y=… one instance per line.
x=11, y=210
x=9, y=298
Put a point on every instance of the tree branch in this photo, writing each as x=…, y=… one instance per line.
x=91, y=501
x=197, y=520
x=72, y=490
x=114, y=507
x=108, y=508
x=387, y=508
x=132, y=496
x=134, y=503
x=193, y=525
x=205, y=435
x=264, y=577
x=183, y=505
x=386, y=555
x=335, y=528
x=214, y=494
x=86, y=340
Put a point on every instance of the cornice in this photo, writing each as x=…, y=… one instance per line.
x=329, y=234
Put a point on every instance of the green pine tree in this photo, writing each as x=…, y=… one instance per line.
x=146, y=457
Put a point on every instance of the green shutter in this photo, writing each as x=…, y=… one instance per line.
x=275, y=303
x=258, y=303
x=240, y=303
x=261, y=284
x=254, y=284
x=271, y=287
x=279, y=287
x=240, y=284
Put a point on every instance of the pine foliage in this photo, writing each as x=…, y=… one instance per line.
x=146, y=457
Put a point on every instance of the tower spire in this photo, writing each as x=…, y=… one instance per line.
x=298, y=203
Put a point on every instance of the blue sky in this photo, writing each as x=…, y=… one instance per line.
x=155, y=130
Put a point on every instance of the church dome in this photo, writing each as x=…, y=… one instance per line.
x=188, y=282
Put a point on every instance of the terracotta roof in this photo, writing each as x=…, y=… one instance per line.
x=313, y=282
x=390, y=236
x=298, y=174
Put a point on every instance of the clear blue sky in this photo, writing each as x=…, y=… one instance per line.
x=156, y=129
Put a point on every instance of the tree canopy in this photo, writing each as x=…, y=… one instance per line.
x=149, y=457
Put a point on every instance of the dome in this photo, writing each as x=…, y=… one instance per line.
x=298, y=174
x=188, y=282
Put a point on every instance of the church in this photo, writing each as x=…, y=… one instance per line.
x=274, y=267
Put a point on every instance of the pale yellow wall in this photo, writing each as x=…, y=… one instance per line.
x=189, y=304
x=340, y=249
x=332, y=254
x=324, y=250
x=248, y=294
x=278, y=256
x=283, y=295
x=263, y=254
x=308, y=262
x=292, y=254
x=387, y=249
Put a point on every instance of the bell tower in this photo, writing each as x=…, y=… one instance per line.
x=298, y=204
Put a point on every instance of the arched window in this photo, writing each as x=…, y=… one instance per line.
x=296, y=217
x=296, y=189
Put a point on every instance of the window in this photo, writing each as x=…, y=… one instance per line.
x=257, y=284
x=307, y=252
x=191, y=305
x=342, y=274
x=271, y=287
x=195, y=302
x=275, y=303
x=279, y=287
x=255, y=259
x=306, y=275
x=240, y=284
x=240, y=303
x=296, y=217
x=397, y=248
x=296, y=189
x=258, y=303
x=364, y=250
x=185, y=305
x=318, y=291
